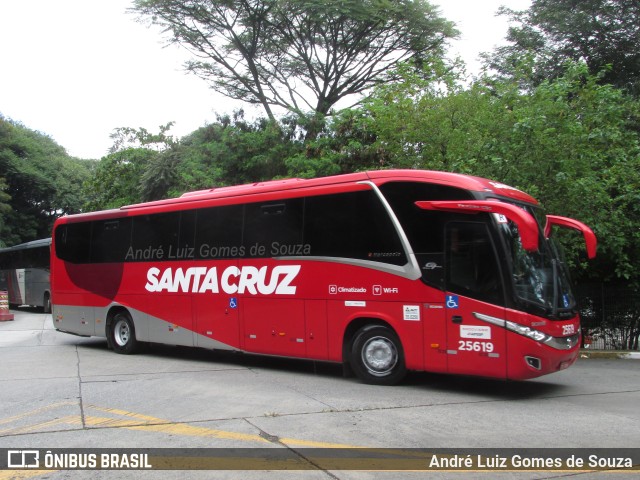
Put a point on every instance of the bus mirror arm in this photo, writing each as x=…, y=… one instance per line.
x=527, y=225
x=589, y=237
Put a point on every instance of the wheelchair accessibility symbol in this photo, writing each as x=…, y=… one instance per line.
x=452, y=301
x=233, y=302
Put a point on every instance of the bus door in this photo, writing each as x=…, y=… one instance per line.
x=476, y=344
x=36, y=285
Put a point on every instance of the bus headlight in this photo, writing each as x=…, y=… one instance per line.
x=528, y=332
x=559, y=343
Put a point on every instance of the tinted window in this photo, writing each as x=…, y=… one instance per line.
x=424, y=229
x=156, y=232
x=348, y=225
x=274, y=229
x=9, y=260
x=163, y=236
x=352, y=225
x=111, y=240
x=73, y=242
x=187, y=232
x=219, y=232
x=472, y=267
x=37, y=257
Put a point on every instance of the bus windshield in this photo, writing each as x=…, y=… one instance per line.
x=540, y=278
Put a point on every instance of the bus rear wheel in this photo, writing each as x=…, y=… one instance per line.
x=122, y=334
x=377, y=357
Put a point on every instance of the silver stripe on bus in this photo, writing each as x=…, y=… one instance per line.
x=498, y=322
x=407, y=270
x=559, y=343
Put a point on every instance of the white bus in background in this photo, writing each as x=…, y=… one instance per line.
x=25, y=274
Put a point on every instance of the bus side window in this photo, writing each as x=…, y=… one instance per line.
x=162, y=236
x=424, y=229
x=111, y=240
x=39, y=258
x=273, y=229
x=352, y=225
x=153, y=232
x=219, y=232
x=73, y=242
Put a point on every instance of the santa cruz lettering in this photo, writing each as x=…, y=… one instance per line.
x=231, y=280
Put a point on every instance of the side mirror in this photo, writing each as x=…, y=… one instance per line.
x=589, y=237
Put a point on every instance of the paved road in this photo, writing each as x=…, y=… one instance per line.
x=62, y=391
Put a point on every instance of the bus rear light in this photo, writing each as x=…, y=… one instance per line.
x=533, y=362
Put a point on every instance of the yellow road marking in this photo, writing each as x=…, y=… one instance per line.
x=36, y=411
x=166, y=426
x=137, y=421
x=162, y=426
x=71, y=419
x=133, y=421
x=20, y=474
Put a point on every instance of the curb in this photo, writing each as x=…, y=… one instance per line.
x=626, y=355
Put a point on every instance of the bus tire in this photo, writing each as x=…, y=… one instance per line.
x=122, y=334
x=377, y=357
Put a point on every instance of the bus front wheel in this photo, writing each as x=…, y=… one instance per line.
x=377, y=357
x=122, y=334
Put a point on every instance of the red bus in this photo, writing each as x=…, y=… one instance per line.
x=382, y=271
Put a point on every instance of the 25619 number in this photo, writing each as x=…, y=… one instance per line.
x=471, y=346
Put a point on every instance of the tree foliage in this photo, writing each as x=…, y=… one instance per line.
x=38, y=182
x=301, y=56
x=234, y=150
x=146, y=166
x=604, y=34
x=116, y=181
x=570, y=137
x=572, y=142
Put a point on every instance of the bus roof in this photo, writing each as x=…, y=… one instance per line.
x=378, y=177
x=43, y=242
x=318, y=186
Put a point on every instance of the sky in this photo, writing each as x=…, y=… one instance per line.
x=76, y=70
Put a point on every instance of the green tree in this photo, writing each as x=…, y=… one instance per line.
x=604, y=34
x=233, y=151
x=131, y=172
x=571, y=142
x=5, y=208
x=345, y=145
x=127, y=137
x=40, y=183
x=302, y=56
x=116, y=180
